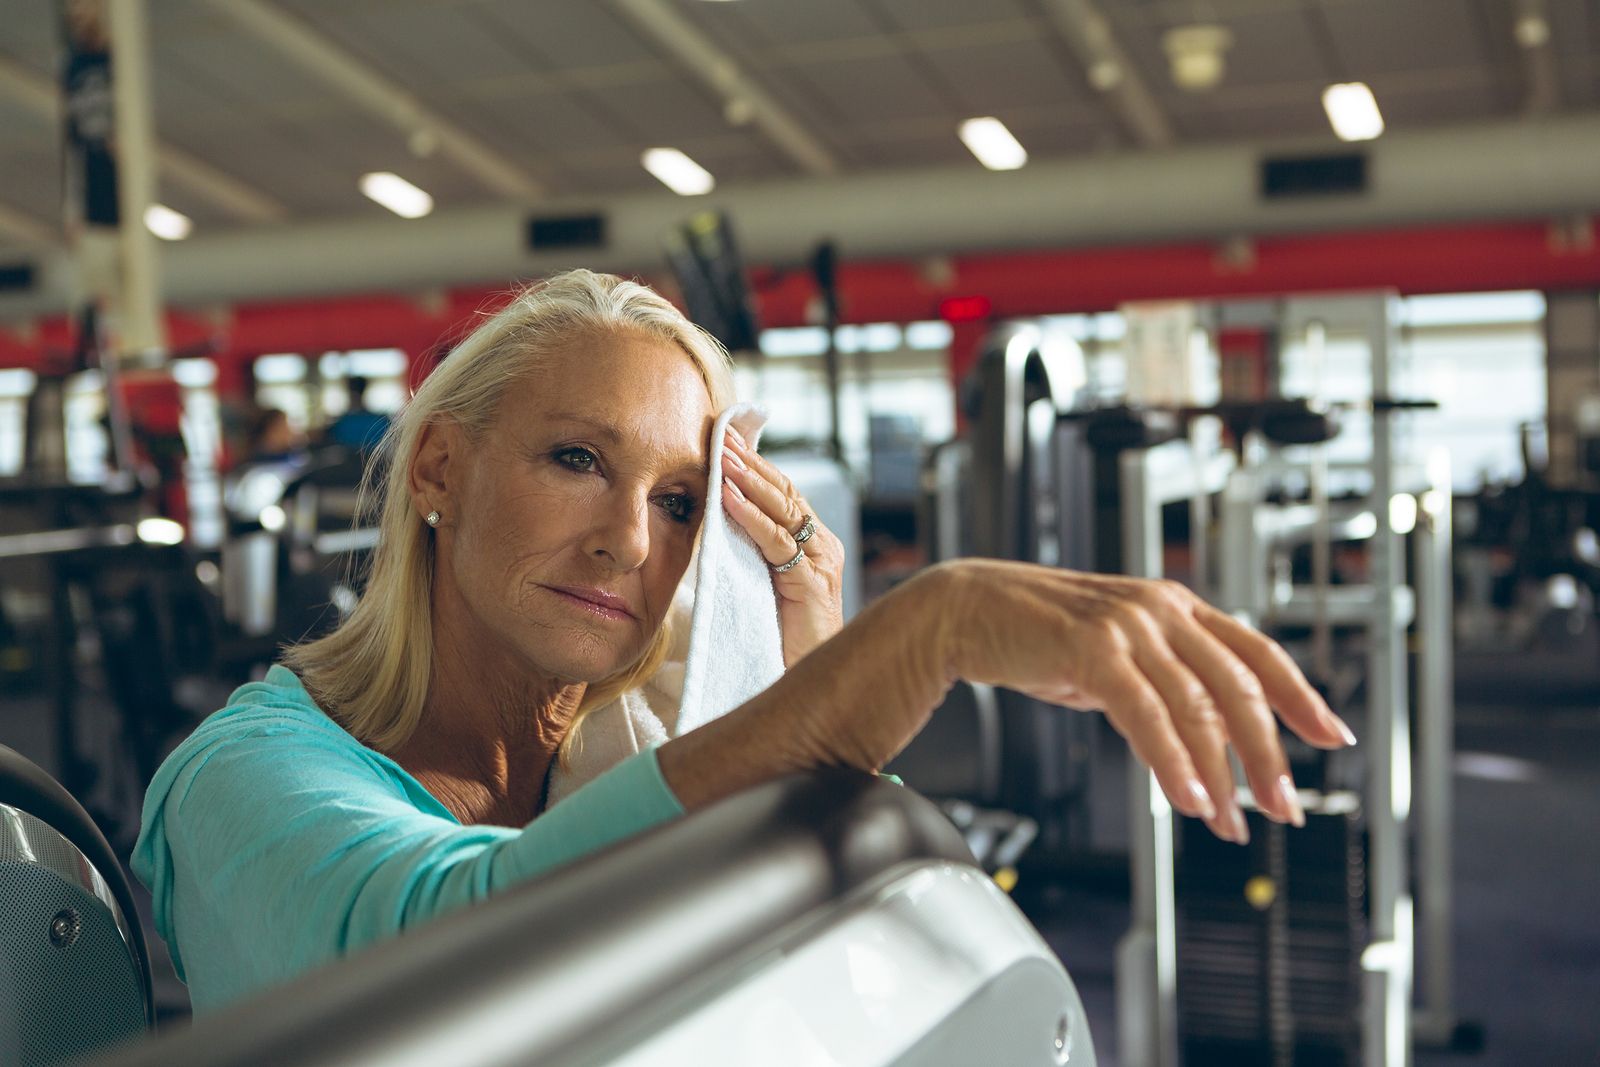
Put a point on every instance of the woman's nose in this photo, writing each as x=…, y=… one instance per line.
x=622, y=537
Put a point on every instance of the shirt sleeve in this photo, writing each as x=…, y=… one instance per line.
x=289, y=851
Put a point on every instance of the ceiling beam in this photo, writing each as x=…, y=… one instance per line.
x=40, y=96
x=701, y=58
x=379, y=95
x=1108, y=69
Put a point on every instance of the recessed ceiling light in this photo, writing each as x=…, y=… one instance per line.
x=993, y=144
x=678, y=172
x=1353, y=111
x=396, y=194
x=167, y=224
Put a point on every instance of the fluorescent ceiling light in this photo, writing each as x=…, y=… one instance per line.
x=678, y=172
x=1353, y=110
x=167, y=224
x=396, y=194
x=993, y=144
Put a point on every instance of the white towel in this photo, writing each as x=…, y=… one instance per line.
x=726, y=647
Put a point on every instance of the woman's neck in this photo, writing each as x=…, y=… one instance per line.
x=489, y=732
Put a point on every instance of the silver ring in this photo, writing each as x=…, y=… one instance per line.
x=799, y=555
x=807, y=528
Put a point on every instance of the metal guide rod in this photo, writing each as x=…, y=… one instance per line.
x=1436, y=1020
x=1147, y=955
x=1388, y=1036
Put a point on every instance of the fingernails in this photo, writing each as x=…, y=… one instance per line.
x=1200, y=804
x=733, y=457
x=738, y=438
x=733, y=487
x=1290, y=800
x=1230, y=825
x=1345, y=732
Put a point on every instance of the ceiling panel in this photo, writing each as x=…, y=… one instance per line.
x=1575, y=38
x=240, y=65
x=555, y=124
x=777, y=21
x=1294, y=112
x=1384, y=36
x=1410, y=102
x=29, y=36
x=570, y=35
x=572, y=92
x=991, y=78
x=30, y=182
x=866, y=90
x=420, y=46
x=666, y=111
x=927, y=14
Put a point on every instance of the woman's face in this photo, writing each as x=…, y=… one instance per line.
x=569, y=524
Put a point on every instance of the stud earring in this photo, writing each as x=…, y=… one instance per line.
x=432, y=518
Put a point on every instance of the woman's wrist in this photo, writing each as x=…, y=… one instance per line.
x=853, y=702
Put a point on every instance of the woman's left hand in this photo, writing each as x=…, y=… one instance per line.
x=764, y=502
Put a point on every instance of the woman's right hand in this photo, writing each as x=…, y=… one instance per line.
x=1179, y=679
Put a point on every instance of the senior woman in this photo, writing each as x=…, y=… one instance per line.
x=542, y=500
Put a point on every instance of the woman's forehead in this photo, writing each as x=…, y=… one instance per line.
x=624, y=388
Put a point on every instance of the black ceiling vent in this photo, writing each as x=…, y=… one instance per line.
x=1329, y=175
x=561, y=232
x=15, y=276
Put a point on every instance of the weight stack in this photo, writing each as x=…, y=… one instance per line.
x=1270, y=939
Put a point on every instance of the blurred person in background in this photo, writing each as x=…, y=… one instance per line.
x=358, y=428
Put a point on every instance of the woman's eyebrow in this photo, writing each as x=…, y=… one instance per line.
x=604, y=429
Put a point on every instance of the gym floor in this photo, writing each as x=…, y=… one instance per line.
x=1527, y=861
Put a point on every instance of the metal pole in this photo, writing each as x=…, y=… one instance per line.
x=1147, y=955
x=141, y=332
x=1387, y=960
x=1436, y=1021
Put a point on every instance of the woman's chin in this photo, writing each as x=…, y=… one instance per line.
x=587, y=666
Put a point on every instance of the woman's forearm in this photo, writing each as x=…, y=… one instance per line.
x=855, y=701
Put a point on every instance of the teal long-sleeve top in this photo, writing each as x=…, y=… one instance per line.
x=273, y=841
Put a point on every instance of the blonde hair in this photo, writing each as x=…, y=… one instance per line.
x=372, y=673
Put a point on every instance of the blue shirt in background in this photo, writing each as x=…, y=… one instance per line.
x=358, y=429
x=273, y=841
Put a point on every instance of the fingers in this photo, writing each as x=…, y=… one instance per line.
x=1138, y=712
x=1203, y=733
x=1301, y=707
x=766, y=511
x=1252, y=730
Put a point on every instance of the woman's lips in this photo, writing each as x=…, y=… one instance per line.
x=594, y=601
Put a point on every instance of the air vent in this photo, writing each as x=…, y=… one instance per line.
x=1295, y=176
x=549, y=234
x=16, y=276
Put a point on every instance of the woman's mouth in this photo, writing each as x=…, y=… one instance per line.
x=596, y=602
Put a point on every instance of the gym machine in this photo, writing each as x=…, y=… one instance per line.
x=1266, y=967
x=828, y=918
x=1045, y=475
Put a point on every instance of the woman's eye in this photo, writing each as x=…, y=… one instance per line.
x=679, y=505
x=578, y=459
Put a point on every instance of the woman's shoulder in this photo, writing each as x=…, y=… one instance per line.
x=275, y=722
x=274, y=705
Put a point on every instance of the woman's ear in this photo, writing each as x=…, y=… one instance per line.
x=432, y=478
